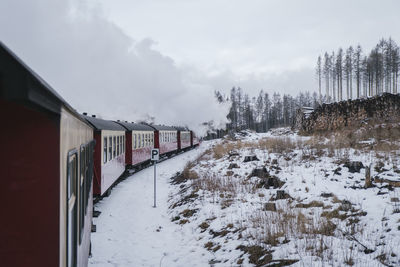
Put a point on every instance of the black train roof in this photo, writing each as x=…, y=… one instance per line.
x=100, y=124
x=135, y=126
x=163, y=128
x=181, y=128
x=20, y=83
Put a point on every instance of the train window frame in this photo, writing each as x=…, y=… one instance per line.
x=105, y=148
x=72, y=159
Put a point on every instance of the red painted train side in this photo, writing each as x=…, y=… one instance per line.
x=28, y=184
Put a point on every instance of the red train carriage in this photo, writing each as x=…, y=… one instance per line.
x=166, y=139
x=109, y=155
x=139, y=142
x=46, y=177
x=193, y=139
x=184, y=141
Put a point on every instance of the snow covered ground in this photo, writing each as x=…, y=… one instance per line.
x=298, y=205
x=130, y=232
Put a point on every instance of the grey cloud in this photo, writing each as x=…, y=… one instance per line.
x=96, y=67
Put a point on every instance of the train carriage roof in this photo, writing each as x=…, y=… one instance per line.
x=135, y=126
x=100, y=124
x=181, y=128
x=20, y=83
x=163, y=128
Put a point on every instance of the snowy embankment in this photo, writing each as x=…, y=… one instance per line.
x=130, y=232
x=300, y=201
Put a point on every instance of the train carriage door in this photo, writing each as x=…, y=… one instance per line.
x=72, y=182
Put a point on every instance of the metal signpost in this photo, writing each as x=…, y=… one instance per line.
x=155, y=156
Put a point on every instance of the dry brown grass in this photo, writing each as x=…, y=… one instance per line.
x=287, y=223
x=277, y=145
x=211, y=182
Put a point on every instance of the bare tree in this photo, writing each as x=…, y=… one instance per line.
x=339, y=73
x=319, y=72
x=327, y=73
x=357, y=58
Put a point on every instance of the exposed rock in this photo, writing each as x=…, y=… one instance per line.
x=267, y=180
x=250, y=158
x=337, y=171
x=270, y=206
x=354, y=166
x=260, y=173
x=272, y=181
x=394, y=199
x=233, y=166
x=326, y=195
x=233, y=153
x=281, y=194
x=275, y=161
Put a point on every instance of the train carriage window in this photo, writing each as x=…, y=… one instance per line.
x=139, y=141
x=134, y=141
x=72, y=177
x=81, y=192
x=110, y=148
x=123, y=144
x=120, y=145
x=114, y=147
x=117, y=145
x=105, y=150
x=89, y=172
x=142, y=140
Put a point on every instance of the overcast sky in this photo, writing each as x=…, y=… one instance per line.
x=133, y=59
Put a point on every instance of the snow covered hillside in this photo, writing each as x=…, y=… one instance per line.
x=272, y=199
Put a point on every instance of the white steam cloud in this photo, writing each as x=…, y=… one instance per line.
x=99, y=69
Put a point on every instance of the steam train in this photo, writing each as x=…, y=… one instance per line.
x=54, y=161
